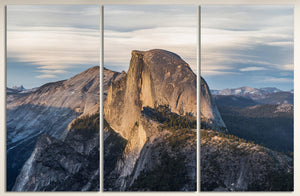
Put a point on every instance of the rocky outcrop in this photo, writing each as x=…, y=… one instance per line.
x=69, y=165
x=229, y=163
x=155, y=78
x=109, y=77
x=47, y=110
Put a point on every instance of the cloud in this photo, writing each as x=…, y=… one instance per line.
x=132, y=17
x=287, y=67
x=246, y=17
x=52, y=38
x=277, y=80
x=77, y=16
x=46, y=76
x=128, y=28
x=253, y=69
x=246, y=38
x=54, y=48
x=118, y=45
x=52, y=71
x=216, y=73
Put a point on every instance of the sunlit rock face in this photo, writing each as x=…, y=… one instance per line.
x=155, y=78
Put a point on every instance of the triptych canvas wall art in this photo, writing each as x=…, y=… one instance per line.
x=148, y=116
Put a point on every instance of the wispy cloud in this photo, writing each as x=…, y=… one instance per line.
x=247, y=40
x=54, y=48
x=277, y=80
x=78, y=16
x=287, y=67
x=216, y=73
x=54, y=39
x=46, y=76
x=52, y=71
x=253, y=69
x=118, y=45
x=236, y=36
x=130, y=28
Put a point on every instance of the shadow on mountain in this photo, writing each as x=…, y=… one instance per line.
x=25, y=124
x=69, y=165
x=263, y=124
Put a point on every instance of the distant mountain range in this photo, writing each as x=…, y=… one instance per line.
x=262, y=115
x=253, y=96
x=15, y=89
x=245, y=90
x=19, y=88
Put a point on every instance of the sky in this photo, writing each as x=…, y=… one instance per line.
x=247, y=46
x=240, y=45
x=47, y=43
x=145, y=27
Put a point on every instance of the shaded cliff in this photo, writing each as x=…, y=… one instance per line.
x=69, y=165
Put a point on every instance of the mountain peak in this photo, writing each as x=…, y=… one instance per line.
x=155, y=77
x=160, y=59
x=246, y=90
x=19, y=88
x=91, y=71
x=155, y=52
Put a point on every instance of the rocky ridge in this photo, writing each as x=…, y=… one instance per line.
x=47, y=110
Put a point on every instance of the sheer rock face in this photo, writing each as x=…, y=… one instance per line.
x=47, y=110
x=155, y=77
x=210, y=116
